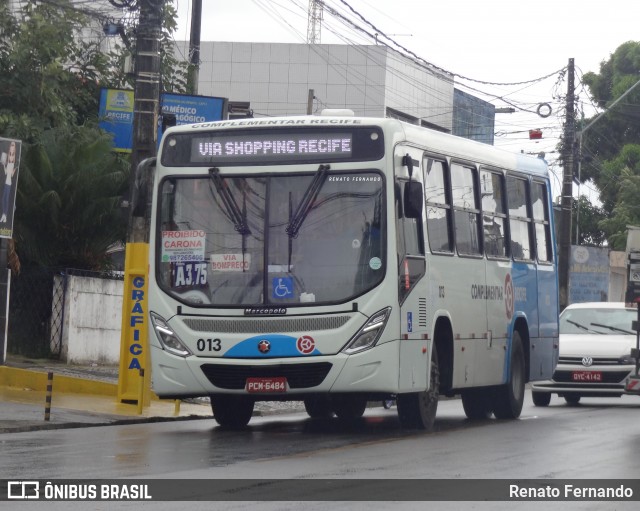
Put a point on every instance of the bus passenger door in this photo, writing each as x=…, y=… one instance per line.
x=412, y=291
x=498, y=292
x=544, y=356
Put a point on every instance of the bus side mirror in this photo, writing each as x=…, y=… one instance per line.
x=413, y=199
x=143, y=184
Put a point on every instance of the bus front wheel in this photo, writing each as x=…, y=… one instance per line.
x=318, y=407
x=417, y=410
x=349, y=407
x=509, y=398
x=232, y=412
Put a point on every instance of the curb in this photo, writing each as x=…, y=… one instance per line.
x=37, y=380
x=115, y=422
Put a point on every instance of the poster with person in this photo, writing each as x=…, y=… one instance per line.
x=9, y=166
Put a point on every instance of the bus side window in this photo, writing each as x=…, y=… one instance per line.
x=494, y=216
x=438, y=206
x=466, y=213
x=539, y=200
x=519, y=219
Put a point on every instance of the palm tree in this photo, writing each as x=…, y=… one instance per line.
x=68, y=203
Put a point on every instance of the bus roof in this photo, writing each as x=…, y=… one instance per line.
x=395, y=130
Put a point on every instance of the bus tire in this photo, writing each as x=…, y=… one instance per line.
x=349, y=406
x=541, y=398
x=417, y=410
x=318, y=407
x=477, y=403
x=509, y=398
x=232, y=412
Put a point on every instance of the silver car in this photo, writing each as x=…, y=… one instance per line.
x=595, y=353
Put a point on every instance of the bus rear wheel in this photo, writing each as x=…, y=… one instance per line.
x=417, y=410
x=509, y=398
x=232, y=412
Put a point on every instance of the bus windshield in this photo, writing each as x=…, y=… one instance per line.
x=271, y=240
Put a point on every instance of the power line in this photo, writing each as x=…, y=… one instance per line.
x=380, y=32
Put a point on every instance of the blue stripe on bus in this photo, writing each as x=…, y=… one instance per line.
x=281, y=346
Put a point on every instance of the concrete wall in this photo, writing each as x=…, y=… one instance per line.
x=92, y=319
x=617, y=276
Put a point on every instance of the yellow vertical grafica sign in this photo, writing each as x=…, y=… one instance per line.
x=135, y=370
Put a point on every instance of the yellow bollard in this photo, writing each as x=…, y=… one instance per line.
x=47, y=405
x=176, y=408
x=141, y=392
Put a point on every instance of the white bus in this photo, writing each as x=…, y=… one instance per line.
x=341, y=260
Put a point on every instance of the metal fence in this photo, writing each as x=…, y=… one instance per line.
x=36, y=309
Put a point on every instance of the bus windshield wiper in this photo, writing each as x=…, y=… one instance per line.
x=239, y=218
x=307, y=201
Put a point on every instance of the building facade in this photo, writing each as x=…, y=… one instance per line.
x=371, y=80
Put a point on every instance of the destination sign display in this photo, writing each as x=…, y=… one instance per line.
x=272, y=146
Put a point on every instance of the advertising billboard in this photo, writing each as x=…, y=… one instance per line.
x=10, y=166
x=117, y=107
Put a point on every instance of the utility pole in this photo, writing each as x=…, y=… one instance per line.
x=567, y=190
x=314, y=24
x=310, y=97
x=194, y=46
x=133, y=380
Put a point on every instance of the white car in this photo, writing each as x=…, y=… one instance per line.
x=595, y=359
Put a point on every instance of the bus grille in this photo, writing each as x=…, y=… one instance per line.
x=299, y=376
x=265, y=326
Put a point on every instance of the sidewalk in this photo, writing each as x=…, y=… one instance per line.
x=81, y=396
x=84, y=396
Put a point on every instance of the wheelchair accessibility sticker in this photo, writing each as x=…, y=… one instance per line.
x=281, y=288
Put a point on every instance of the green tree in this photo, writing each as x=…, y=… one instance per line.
x=621, y=124
x=586, y=221
x=50, y=82
x=620, y=196
x=68, y=209
x=173, y=70
x=610, y=154
x=47, y=77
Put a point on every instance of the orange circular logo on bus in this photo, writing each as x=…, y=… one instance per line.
x=305, y=344
x=508, y=295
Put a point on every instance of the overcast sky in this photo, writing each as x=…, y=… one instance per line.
x=505, y=41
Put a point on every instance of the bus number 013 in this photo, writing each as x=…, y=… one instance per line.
x=209, y=344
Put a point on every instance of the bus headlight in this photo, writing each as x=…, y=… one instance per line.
x=369, y=334
x=167, y=337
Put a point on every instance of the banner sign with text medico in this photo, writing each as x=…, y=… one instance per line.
x=117, y=105
x=192, y=109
